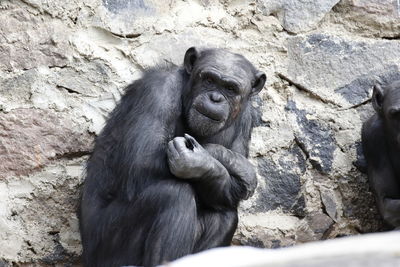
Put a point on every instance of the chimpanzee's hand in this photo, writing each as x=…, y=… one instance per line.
x=187, y=158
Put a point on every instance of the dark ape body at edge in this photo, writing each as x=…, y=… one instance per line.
x=381, y=145
x=169, y=168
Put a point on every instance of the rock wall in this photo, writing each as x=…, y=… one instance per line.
x=64, y=65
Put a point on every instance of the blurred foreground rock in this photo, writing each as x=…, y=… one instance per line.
x=381, y=250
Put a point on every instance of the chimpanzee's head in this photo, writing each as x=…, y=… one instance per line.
x=219, y=88
x=386, y=102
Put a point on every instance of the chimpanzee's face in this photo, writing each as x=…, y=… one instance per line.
x=220, y=86
x=391, y=110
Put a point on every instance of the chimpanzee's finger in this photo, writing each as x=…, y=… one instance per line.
x=192, y=140
x=180, y=144
x=171, y=151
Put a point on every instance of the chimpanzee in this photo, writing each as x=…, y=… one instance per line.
x=169, y=168
x=381, y=145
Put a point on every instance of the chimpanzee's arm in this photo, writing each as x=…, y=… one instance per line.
x=220, y=176
x=241, y=172
x=380, y=171
x=132, y=144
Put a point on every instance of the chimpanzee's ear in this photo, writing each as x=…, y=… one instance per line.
x=258, y=84
x=192, y=54
x=377, y=98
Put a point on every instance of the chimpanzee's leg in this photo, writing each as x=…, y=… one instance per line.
x=173, y=220
x=391, y=211
x=216, y=228
x=160, y=225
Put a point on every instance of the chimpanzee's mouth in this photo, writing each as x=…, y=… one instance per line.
x=210, y=115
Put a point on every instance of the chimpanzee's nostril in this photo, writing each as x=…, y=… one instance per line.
x=216, y=97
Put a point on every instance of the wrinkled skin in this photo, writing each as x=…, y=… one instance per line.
x=381, y=145
x=169, y=168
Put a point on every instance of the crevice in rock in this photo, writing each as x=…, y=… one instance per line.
x=58, y=67
x=292, y=34
x=69, y=90
x=395, y=37
x=329, y=231
x=126, y=36
x=302, y=88
x=72, y=91
x=324, y=209
x=33, y=68
x=300, y=201
x=73, y=154
x=302, y=147
x=357, y=105
x=30, y=247
x=60, y=256
x=54, y=232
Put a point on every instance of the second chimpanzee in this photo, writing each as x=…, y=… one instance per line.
x=169, y=168
x=381, y=145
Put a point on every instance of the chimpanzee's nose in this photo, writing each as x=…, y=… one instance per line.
x=216, y=97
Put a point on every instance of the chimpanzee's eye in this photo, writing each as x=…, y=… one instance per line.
x=231, y=89
x=209, y=80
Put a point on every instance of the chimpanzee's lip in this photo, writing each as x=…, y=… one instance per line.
x=209, y=115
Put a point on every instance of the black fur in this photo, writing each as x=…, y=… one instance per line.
x=381, y=145
x=151, y=195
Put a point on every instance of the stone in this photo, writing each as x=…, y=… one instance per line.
x=359, y=90
x=166, y=50
x=27, y=42
x=39, y=214
x=316, y=140
x=172, y=49
x=372, y=18
x=329, y=201
x=369, y=250
x=134, y=6
x=258, y=113
x=31, y=138
x=69, y=11
x=267, y=231
x=17, y=88
x=340, y=71
x=282, y=183
x=272, y=131
x=70, y=78
x=319, y=223
x=304, y=234
x=298, y=16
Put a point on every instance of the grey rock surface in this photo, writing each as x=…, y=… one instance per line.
x=65, y=64
x=298, y=16
x=339, y=70
x=371, y=18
